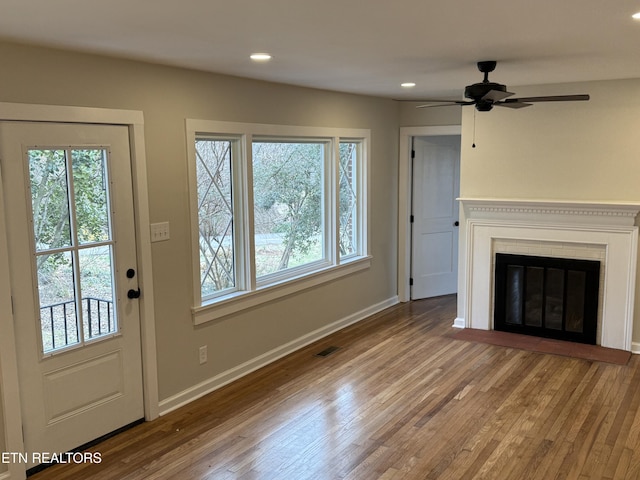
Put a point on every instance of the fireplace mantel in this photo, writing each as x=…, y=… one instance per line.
x=604, y=213
x=606, y=225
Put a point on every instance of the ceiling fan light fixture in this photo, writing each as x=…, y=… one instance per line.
x=485, y=95
x=636, y=16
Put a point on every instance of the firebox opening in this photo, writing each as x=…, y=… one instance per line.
x=547, y=297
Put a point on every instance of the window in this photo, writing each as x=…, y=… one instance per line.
x=215, y=216
x=288, y=191
x=274, y=209
x=73, y=245
x=348, y=201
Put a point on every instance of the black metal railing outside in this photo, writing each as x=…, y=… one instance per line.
x=61, y=321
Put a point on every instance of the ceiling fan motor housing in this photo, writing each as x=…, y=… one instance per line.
x=479, y=90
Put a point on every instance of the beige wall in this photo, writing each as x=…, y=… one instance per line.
x=586, y=151
x=574, y=151
x=169, y=95
x=410, y=116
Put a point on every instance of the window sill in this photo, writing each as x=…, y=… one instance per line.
x=238, y=301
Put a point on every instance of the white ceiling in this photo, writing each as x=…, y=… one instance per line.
x=362, y=46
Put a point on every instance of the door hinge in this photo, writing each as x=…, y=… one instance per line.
x=411, y=282
x=411, y=219
x=413, y=154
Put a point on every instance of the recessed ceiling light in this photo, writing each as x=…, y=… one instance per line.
x=260, y=57
x=636, y=16
x=407, y=85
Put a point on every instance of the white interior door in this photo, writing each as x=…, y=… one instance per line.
x=434, y=242
x=71, y=240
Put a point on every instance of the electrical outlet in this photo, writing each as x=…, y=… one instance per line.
x=203, y=354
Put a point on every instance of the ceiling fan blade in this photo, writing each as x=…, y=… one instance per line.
x=512, y=104
x=442, y=103
x=429, y=105
x=553, y=98
x=496, y=95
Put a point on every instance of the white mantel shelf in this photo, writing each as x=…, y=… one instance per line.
x=610, y=213
x=606, y=225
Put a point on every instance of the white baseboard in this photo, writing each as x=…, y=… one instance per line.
x=458, y=323
x=224, y=378
x=635, y=347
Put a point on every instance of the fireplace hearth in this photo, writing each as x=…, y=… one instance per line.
x=547, y=297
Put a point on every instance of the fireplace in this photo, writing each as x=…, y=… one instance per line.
x=605, y=232
x=547, y=297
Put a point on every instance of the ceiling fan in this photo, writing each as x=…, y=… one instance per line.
x=486, y=95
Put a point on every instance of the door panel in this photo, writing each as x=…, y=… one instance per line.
x=58, y=384
x=436, y=186
x=69, y=208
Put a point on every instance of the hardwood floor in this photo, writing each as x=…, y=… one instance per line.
x=400, y=399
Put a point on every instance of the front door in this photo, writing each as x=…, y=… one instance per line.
x=71, y=240
x=434, y=242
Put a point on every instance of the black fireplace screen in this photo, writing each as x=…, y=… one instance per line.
x=547, y=297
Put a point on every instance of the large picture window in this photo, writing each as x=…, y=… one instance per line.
x=274, y=209
x=288, y=193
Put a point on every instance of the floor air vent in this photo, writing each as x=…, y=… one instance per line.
x=327, y=351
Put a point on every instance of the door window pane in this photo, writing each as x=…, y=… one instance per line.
x=91, y=202
x=288, y=182
x=96, y=285
x=73, y=245
x=56, y=286
x=49, y=200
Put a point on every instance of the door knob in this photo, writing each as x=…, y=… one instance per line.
x=456, y=223
x=133, y=293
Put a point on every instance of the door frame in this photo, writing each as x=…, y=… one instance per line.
x=9, y=380
x=405, y=180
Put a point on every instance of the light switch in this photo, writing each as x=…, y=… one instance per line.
x=159, y=232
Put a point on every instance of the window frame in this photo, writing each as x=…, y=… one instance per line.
x=251, y=291
x=361, y=234
x=74, y=247
x=237, y=206
x=326, y=214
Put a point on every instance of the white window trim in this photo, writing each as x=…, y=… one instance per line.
x=327, y=217
x=362, y=185
x=251, y=293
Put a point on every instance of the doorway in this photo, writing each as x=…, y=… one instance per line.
x=132, y=124
x=405, y=184
x=71, y=238
x=434, y=216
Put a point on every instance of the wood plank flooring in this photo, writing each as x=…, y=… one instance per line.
x=400, y=399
